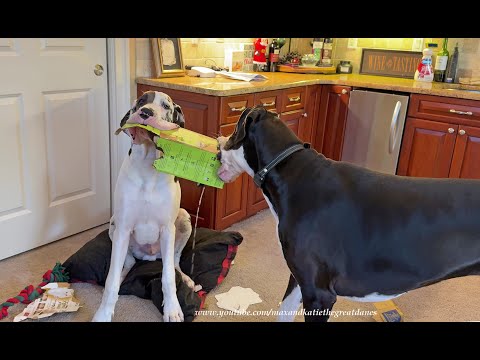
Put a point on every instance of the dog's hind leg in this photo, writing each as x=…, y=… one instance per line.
x=127, y=266
x=291, y=301
x=183, y=229
x=120, y=242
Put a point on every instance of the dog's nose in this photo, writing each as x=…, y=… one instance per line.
x=145, y=113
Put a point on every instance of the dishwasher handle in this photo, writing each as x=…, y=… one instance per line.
x=394, y=127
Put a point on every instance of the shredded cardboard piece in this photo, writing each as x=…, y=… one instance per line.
x=237, y=299
x=57, y=298
x=387, y=311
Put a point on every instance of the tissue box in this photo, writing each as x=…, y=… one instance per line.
x=187, y=154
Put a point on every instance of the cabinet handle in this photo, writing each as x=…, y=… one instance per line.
x=294, y=98
x=392, y=139
x=305, y=114
x=461, y=112
x=451, y=130
x=344, y=91
x=461, y=132
x=269, y=104
x=238, y=109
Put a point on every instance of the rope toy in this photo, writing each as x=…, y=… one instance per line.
x=27, y=295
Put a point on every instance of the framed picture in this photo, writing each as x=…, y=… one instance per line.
x=167, y=57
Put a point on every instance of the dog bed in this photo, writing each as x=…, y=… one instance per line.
x=214, y=252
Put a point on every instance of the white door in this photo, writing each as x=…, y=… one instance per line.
x=54, y=140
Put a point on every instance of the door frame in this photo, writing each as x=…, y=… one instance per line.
x=119, y=94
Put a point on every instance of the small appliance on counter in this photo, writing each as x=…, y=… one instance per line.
x=200, y=71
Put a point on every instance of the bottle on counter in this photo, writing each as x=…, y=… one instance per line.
x=327, y=51
x=452, y=66
x=441, y=62
x=273, y=55
x=434, y=47
x=424, y=70
x=317, y=48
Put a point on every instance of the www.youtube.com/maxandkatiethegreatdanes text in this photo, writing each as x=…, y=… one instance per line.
x=272, y=312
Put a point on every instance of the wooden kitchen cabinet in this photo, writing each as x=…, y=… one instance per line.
x=427, y=148
x=213, y=115
x=297, y=108
x=330, y=125
x=444, y=142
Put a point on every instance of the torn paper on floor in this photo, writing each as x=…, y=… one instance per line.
x=57, y=298
x=237, y=299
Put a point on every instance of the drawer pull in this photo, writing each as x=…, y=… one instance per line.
x=269, y=104
x=344, y=91
x=238, y=109
x=297, y=98
x=451, y=130
x=461, y=112
x=461, y=132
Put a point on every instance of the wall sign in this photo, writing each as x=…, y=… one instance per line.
x=397, y=63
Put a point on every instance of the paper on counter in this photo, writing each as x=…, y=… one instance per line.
x=57, y=298
x=237, y=299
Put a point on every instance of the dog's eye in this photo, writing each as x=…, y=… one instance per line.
x=165, y=106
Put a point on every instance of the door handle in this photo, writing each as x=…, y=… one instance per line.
x=394, y=127
x=98, y=70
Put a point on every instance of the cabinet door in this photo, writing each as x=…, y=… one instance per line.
x=232, y=199
x=427, y=148
x=465, y=163
x=332, y=117
x=295, y=120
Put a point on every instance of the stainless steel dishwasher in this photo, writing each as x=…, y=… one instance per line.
x=374, y=129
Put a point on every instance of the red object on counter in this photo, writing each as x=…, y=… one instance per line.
x=259, y=55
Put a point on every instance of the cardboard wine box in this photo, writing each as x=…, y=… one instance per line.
x=187, y=154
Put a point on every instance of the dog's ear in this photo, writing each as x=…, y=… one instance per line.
x=178, y=117
x=241, y=129
x=123, y=122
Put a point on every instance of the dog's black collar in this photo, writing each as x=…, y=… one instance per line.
x=259, y=177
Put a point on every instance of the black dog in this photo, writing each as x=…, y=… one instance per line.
x=349, y=231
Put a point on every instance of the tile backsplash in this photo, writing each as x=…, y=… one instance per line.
x=208, y=51
x=469, y=51
x=197, y=52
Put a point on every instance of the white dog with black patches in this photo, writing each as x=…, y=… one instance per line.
x=147, y=221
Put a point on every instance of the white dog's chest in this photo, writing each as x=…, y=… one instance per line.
x=145, y=202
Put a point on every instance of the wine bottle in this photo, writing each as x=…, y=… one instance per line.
x=273, y=55
x=451, y=72
x=441, y=62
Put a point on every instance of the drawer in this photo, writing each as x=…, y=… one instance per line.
x=227, y=130
x=445, y=109
x=293, y=99
x=233, y=106
x=270, y=100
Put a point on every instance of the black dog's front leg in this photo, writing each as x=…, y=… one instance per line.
x=317, y=303
x=314, y=283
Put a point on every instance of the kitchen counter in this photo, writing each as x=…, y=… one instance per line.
x=220, y=86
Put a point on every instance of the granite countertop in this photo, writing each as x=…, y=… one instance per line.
x=220, y=86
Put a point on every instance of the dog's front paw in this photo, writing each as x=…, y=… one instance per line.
x=102, y=316
x=172, y=312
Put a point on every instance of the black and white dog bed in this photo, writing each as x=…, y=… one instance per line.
x=214, y=252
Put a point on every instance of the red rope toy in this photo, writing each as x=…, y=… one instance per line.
x=27, y=295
